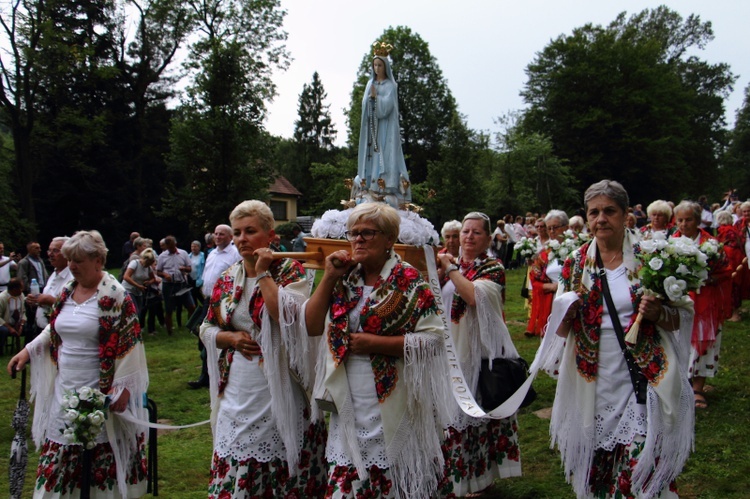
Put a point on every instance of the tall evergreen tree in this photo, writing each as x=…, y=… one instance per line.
x=314, y=127
x=314, y=134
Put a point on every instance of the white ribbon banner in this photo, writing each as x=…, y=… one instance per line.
x=129, y=417
x=460, y=389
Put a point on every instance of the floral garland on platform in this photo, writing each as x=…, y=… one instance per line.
x=414, y=230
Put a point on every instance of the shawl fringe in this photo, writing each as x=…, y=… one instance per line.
x=670, y=415
x=425, y=381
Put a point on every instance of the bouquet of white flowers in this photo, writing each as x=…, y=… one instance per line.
x=671, y=268
x=561, y=250
x=526, y=247
x=84, y=411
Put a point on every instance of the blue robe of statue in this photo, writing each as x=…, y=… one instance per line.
x=380, y=153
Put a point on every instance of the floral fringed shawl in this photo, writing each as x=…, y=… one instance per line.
x=122, y=365
x=663, y=357
x=479, y=332
x=411, y=390
x=287, y=354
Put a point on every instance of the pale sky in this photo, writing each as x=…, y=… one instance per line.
x=482, y=46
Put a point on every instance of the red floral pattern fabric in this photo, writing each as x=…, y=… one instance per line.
x=232, y=478
x=226, y=295
x=60, y=467
x=344, y=481
x=610, y=476
x=647, y=352
x=470, y=453
x=393, y=309
x=119, y=330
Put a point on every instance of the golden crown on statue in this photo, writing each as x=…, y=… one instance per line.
x=382, y=49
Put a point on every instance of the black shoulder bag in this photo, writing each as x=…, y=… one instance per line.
x=637, y=378
x=498, y=384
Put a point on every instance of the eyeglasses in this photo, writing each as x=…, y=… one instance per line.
x=366, y=234
x=474, y=215
x=554, y=227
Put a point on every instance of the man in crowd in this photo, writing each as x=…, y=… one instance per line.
x=221, y=258
x=129, y=245
x=172, y=266
x=298, y=243
x=32, y=267
x=7, y=263
x=55, y=283
x=11, y=314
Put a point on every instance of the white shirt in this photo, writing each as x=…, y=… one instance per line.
x=54, y=286
x=170, y=263
x=217, y=262
x=5, y=272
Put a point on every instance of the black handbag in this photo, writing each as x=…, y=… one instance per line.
x=496, y=385
x=524, y=288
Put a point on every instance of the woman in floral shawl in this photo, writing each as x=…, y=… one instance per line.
x=611, y=445
x=382, y=364
x=93, y=340
x=266, y=441
x=477, y=451
x=709, y=303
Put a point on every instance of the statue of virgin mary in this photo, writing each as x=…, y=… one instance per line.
x=381, y=170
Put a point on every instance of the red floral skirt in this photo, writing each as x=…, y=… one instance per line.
x=60, y=469
x=478, y=455
x=232, y=478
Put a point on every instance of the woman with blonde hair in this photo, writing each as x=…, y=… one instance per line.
x=267, y=442
x=93, y=340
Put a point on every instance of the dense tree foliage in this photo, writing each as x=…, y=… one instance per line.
x=737, y=159
x=455, y=177
x=83, y=97
x=314, y=134
x=627, y=101
x=425, y=102
x=92, y=138
x=218, y=142
x=528, y=175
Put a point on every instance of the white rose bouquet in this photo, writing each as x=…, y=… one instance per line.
x=525, y=247
x=85, y=412
x=561, y=250
x=671, y=268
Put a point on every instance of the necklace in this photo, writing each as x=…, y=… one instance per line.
x=615, y=256
x=79, y=306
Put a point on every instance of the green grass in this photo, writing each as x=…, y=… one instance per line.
x=719, y=468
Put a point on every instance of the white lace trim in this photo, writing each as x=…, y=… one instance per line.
x=629, y=424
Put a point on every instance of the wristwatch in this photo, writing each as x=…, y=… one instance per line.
x=263, y=274
x=450, y=269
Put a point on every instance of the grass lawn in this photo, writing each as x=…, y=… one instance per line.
x=719, y=468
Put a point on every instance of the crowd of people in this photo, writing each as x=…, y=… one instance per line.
x=367, y=347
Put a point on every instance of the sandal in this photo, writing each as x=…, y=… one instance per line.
x=700, y=400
